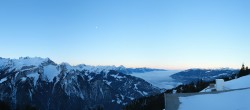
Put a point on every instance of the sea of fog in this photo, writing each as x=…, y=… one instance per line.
x=160, y=79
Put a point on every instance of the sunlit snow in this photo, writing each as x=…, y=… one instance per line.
x=2, y=80
x=50, y=72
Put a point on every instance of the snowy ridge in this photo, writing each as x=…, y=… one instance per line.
x=51, y=69
x=22, y=62
x=209, y=69
x=27, y=61
x=192, y=75
x=95, y=69
x=35, y=62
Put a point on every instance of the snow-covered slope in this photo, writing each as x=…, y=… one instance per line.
x=242, y=82
x=234, y=100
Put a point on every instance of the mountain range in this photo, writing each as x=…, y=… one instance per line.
x=46, y=85
x=192, y=75
x=42, y=83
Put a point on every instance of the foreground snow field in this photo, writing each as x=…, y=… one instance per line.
x=234, y=100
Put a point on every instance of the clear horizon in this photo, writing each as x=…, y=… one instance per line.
x=125, y=66
x=157, y=34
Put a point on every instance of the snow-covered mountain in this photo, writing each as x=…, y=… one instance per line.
x=191, y=75
x=50, y=86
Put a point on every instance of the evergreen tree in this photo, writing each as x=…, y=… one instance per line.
x=243, y=67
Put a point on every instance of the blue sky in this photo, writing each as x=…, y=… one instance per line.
x=171, y=34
